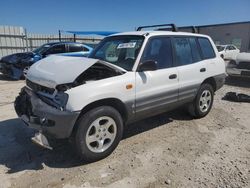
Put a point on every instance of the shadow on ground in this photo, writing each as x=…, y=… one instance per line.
x=238, y=82
x=18, y=153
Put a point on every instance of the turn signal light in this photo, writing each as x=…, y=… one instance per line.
x=129, y=86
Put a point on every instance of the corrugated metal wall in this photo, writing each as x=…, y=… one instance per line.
x=12, y=40
x=15, y=39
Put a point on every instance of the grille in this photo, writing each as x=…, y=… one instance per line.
x=244, y=65
x=36, y=87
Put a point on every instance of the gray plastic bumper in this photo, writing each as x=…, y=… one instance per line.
x=41, y=116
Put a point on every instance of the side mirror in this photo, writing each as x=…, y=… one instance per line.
x=148, y=65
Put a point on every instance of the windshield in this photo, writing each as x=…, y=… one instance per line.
x=220, y=48
x=119, y=50
x=42, y=49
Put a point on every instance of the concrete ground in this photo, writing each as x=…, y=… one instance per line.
x=169, y=150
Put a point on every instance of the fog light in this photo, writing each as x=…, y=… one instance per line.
x=43, y=120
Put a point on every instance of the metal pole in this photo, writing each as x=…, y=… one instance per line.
x=26, y=38
x=74, y=37
x=60, y=35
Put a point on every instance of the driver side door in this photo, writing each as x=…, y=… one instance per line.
x=157, y=91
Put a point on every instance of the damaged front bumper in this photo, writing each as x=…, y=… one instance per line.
x=43, y=117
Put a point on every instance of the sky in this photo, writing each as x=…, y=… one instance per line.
x=48, y=16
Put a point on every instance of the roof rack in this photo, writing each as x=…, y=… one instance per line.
x=174, y=28
x=194, y=29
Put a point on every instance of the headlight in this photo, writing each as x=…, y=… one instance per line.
x=61, y=99
x=63, y=87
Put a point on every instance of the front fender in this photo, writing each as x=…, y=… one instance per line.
x=114, y=87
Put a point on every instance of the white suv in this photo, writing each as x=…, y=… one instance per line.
x=129, y=76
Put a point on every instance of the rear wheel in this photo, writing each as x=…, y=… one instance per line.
x=203, y=102
x=99, y=132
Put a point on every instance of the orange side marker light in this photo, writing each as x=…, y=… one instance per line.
x=129, y=86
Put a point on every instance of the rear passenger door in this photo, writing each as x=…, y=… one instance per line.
x=157, y=90
x=189, y=65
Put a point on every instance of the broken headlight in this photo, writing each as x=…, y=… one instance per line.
x=63, y=87
x=61, y=99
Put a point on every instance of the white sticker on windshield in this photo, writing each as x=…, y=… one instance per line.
x=126, y=45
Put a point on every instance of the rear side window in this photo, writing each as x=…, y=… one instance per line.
x=159, y=49
x=75, y=48
x=206, y=48
x=232, y=48
x=57, y=49
x=183, y=51
x=85, y=49
x=195, y=50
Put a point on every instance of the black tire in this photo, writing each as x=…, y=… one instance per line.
x=84, y=124
x=194, y=108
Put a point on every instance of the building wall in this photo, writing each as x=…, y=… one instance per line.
x=237, y=34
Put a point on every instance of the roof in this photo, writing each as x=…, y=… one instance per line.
x=63, y=42
x=102, y=33
x=214, y=25
x=156, y=33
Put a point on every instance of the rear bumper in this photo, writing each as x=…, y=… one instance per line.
x=233, y=71
x=47, y=119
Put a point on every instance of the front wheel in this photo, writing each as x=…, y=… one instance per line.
x=203, y=102
x=99, y=132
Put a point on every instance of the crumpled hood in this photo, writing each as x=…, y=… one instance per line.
x=56, y=69
x=17, y=57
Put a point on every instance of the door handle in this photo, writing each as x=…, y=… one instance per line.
x=203, y=70
x=173, y=76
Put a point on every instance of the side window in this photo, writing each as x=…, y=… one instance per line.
x=206, y=48
x=159, y=49
x=57, y=49
x=195, y=50
x=232, y=48
x=85, y=49
x=75, y=48
x=228, y=48
x=183, y=51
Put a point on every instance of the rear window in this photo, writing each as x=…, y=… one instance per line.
x=206, y=48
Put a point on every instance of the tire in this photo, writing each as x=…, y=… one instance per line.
x=205, y=95
x=98, y=134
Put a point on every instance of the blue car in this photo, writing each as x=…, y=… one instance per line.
x=15, y=65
